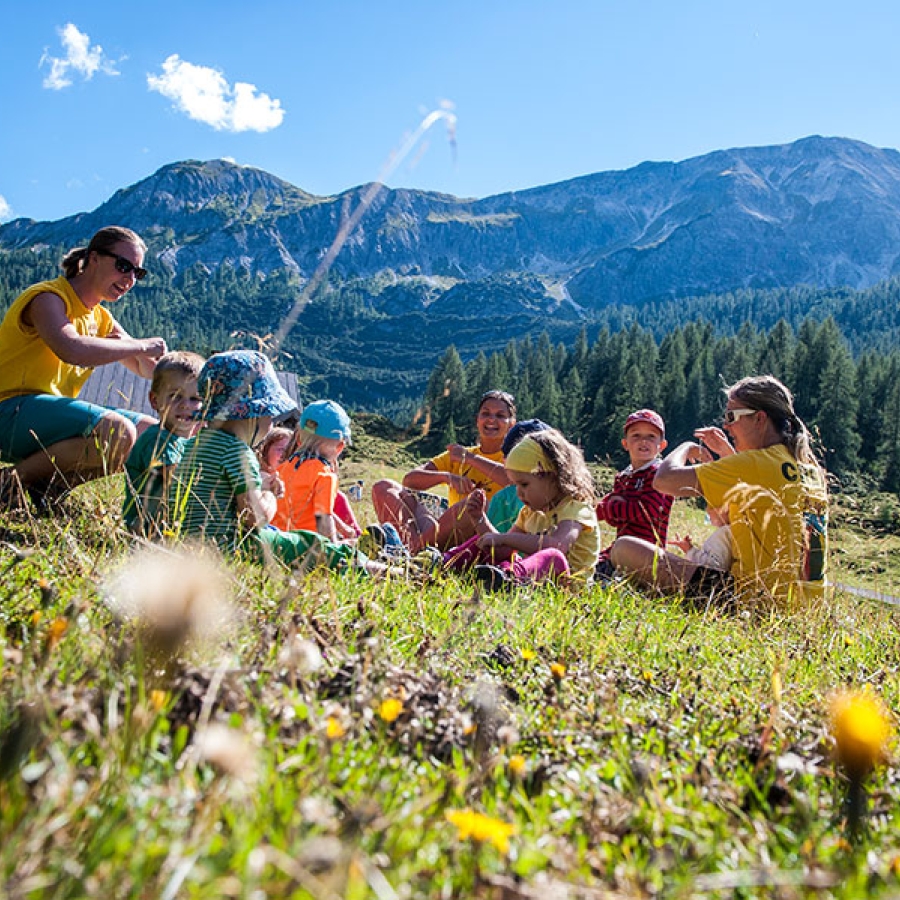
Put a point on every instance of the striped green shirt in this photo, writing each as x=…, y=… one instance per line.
x=215, y=469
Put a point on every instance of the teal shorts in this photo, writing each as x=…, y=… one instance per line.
x=33, y=422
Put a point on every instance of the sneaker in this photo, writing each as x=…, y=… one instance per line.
x=604, y=571
x=429, y=561
x=394, y=550
x=493, y=578
x=372, y=540
x=392, y=536
x=47, y=498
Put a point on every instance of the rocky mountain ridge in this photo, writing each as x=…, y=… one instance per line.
x=820, y=211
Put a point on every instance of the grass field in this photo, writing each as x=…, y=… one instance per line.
x=275, y=735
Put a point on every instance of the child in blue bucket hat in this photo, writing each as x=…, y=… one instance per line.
x=218, y=483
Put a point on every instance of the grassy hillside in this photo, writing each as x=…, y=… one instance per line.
x=338, y=737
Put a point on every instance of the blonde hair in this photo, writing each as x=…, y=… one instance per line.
x=178, y=362
x=574, y=477
x=304, y=441
x=767, y=394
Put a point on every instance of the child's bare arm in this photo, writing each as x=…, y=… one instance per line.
x=325, y=525
x=343, y=531
x=718, y=515
x=271, y=481
x=562, y=537
x=255, y=507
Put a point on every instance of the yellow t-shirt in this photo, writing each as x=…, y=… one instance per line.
x=778, y=512
x=27, y=364
x=443, y=463
x=582, y=555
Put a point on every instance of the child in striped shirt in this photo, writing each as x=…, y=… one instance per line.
x=633, y=506
x=218, y=490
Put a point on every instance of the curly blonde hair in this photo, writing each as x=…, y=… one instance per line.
x=575, y=478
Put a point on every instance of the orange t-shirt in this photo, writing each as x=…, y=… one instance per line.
x=310, y=487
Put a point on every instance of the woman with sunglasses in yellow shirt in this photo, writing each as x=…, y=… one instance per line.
x=761, y=474
x=51, y=338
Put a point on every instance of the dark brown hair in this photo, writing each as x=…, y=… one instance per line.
x=503, y=397
x=105, y=239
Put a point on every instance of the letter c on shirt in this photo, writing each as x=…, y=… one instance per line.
x=789, y=471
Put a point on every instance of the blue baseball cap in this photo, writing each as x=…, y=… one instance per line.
x=241, y=384
x=327, y=419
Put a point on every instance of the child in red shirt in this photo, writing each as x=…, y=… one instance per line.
x=633, y=506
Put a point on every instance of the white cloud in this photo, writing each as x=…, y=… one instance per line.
x=81, y=58
x=205, y=95
x=6, y=211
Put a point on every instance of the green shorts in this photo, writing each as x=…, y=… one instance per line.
x=293, y=546
x=33, y=422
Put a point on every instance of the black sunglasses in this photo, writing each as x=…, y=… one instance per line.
x=125, y=266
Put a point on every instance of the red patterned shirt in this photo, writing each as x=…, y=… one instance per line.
x=635, y=508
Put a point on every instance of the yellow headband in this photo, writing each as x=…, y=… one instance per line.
x=528, y=456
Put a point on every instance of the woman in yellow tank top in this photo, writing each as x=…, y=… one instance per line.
x=51, y=338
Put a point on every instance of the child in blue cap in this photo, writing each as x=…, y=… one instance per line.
x=309, y=474
x=218, y=489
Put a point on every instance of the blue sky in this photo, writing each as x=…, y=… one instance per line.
x=95, y=97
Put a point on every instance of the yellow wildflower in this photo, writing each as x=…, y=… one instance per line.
x=56, y=631
x=558, y=671
x=480, y=828
x=333, y=729
x=516, y=765
x=527, y=653
x=36, y=617
x=860, y=727
x=390, y=708
x=158, y=699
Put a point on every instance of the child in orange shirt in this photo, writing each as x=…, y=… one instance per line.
x=309, y=474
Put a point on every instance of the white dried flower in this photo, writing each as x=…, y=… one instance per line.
x=301, y=655
x=228, y=751
x=173, y=598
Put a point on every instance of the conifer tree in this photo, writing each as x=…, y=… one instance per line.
x=889, y=445
x=836, y=402
x=445, y=398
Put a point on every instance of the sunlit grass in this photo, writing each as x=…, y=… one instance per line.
x=354, y=738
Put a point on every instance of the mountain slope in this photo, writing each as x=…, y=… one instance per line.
x=821, y=211
x=423, y=270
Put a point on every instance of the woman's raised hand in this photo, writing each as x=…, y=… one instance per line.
x=154, y=347
x=714, y=440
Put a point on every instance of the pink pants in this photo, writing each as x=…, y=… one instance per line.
x=544, y=565
x=344, y=511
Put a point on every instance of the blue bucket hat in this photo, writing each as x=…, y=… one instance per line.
x=241, y=384
x=327, y=419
